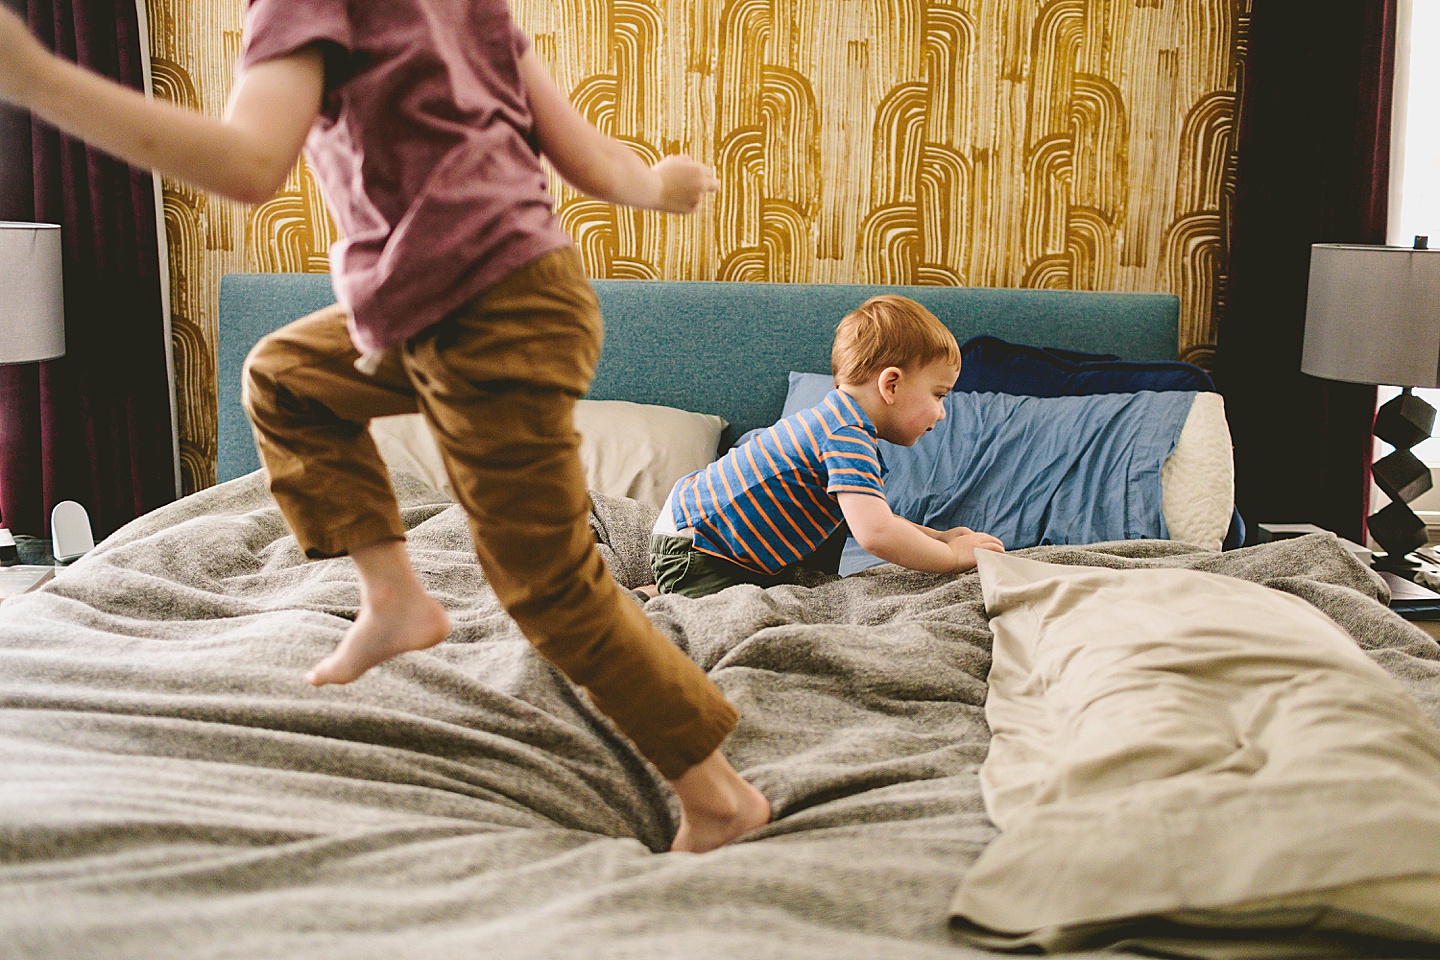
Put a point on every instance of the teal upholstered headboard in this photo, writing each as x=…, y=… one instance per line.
x=724, y=348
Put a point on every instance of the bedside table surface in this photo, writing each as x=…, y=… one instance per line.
x=34, y=551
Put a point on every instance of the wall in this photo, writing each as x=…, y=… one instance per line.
x=1079, y=144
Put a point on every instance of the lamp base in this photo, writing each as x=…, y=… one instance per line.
x=1403, y=565
x=1397, y=529
x=1402, y=475
x=1403, y=422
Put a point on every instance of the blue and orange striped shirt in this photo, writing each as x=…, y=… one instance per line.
x=772, y=502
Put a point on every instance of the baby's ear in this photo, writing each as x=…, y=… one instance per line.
x=887, y=381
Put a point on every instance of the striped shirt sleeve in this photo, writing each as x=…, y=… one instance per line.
x=852, y=462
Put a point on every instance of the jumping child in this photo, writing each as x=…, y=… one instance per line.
x=459, y=296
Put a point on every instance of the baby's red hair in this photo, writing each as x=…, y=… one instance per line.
x=889, y=331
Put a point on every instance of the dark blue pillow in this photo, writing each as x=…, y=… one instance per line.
x=991, y=365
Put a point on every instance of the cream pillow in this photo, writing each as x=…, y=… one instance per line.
x=1200, y=750
x=634, y=450
x=1197, y=480
x=639, y=450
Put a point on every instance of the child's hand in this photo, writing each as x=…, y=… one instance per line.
x=954, y=533
x=20, y=58
x=683, y=182
x=965, y=545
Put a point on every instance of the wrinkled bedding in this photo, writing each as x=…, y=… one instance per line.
x=172, y=788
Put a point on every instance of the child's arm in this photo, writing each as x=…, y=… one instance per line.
x=898, y=540
x=245, y=157
x=944, y=536
x=602, y=166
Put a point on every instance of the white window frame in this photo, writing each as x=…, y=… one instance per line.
x=1414, y=206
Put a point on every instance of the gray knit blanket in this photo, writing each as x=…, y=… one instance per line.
x=170, y=786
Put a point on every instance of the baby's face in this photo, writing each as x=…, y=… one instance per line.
x=919, y=401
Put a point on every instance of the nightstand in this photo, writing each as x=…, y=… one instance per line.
x=1415, y=602
x=34, y=570
x=21, y=578
x=33, y=550
x=1265, y=532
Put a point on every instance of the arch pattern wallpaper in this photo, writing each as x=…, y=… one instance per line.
x=1067, y=144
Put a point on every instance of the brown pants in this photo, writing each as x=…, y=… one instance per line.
x=497, y=380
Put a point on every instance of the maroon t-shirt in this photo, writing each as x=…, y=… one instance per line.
x=423, y=149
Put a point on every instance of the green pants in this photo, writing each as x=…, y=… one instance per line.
x=680, y=568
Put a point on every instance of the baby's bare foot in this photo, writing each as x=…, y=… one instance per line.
x=385, y=628
x=717, y=806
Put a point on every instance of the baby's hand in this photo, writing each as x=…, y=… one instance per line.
x=965, y=545
x=954, y=533
x=683, y=182
x=20, y=57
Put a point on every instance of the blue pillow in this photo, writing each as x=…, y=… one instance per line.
x=992, y=365
x=1037, y=470
x=997, y=366
x=1088, y=466
x=1041, y=470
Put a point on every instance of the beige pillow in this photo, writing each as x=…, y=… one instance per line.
x=1198, y=749
x=634, y=450
x=406, y=444
x=639, y=450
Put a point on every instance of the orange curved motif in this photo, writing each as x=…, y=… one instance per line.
x=1045, y=143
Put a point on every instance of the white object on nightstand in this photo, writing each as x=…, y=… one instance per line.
x=70, y=536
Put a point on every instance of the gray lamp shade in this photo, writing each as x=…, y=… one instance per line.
x=1373, y=315
x=32, y=298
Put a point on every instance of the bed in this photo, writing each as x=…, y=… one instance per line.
x=173, y=789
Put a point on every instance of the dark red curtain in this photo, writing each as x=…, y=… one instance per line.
x=1313, y=154
x=92, y=426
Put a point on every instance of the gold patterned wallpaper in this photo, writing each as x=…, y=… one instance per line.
x=1072, y=144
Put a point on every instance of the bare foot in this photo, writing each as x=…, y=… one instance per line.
x=383, y=630
x=396, y=616
x=717, y=805
x=650, y=590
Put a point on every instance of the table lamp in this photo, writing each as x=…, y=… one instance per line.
x=1373, y=316
x=32, y=310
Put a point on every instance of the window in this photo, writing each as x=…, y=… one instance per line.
x=1415, y=153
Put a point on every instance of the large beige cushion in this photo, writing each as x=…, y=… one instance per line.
x=1201, y=751
x=628, y=449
